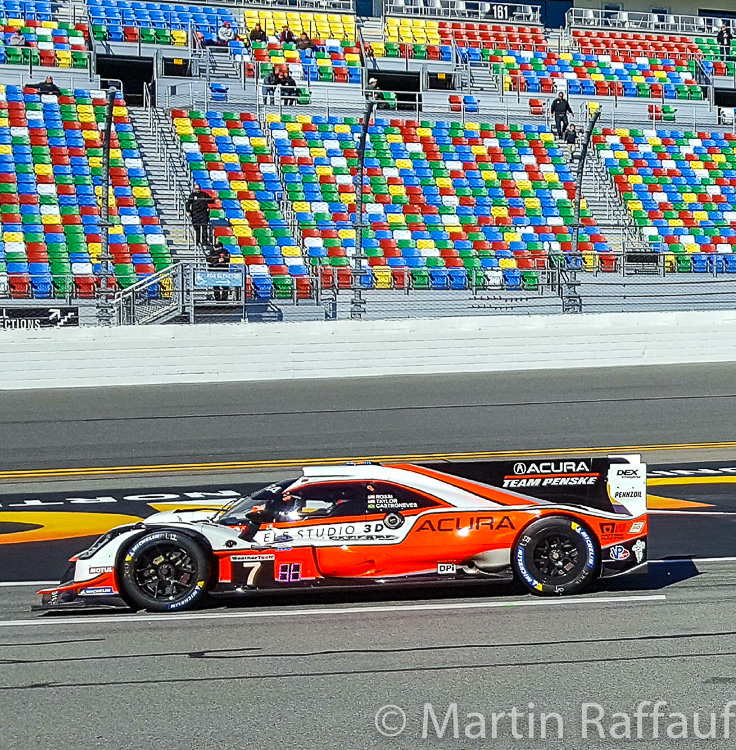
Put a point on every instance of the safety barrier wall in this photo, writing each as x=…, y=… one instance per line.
x=248, y=352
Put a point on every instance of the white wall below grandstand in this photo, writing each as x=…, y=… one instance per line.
x=214, y=353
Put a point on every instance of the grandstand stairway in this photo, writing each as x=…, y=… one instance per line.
x=608, y=209
x=215, y=65
x=168, y=193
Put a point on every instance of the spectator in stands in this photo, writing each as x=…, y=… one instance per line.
x=560, y=109
x=571, y=139
x=288, y=87
x=16, y=39
x=218, y=259
x=724, y=38
x=225, y=34
x=198, y=207
x=270, y=82
x=372, y=91
x=46, y=87
x=257, y=34
x=305, y=43
x=287, y=36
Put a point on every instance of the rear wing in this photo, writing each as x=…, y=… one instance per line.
x=614, y=484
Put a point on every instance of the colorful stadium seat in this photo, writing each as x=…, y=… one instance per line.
x=229, y=155
x=410, y=32
x=596, y=75
x=333, y=60
x=680, y=189
x=155, y=23
x=50, y=189
x=315, y=25
x=448, y=205
x=48, y=43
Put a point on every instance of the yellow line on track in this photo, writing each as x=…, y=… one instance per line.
x=295, y=462
x=661, y=481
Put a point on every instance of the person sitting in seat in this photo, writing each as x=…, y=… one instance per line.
x=225, y=34
x=17, y=39
x=287, y=36
x=46, y=87
x=305, y=43
x=257, y=34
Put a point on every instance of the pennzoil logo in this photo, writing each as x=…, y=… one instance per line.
x=458, y=523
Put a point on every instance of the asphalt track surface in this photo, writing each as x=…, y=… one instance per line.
x=367, y=417
x=310, y=672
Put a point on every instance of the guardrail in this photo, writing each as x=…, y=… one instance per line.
x=663, y=23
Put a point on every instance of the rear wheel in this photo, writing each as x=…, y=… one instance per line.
x=555, y=556
x=165, y=571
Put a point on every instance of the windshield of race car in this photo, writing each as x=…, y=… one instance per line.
x=268, y=502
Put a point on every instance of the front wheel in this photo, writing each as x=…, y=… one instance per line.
x=164, y=571
x=555, y=555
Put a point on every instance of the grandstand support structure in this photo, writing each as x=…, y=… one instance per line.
x=104, y=307
x=357, y=307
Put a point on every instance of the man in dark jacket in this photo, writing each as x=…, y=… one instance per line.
x=218, y=259
x=288, y=88
x=571, y=139
x=198, y=207
x=270, y=82
x=724, y=38
x=560, y=109
x=46, y=87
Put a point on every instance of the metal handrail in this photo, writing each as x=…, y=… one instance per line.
x=658, y=23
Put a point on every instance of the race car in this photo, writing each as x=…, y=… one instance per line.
x=555, y=526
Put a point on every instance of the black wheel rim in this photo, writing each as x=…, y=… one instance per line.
x=558, y=556
x=165, y=572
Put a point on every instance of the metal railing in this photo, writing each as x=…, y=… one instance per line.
x=155, y=299
x=663, y=23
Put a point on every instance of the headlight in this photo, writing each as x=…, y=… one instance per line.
x=105, y=538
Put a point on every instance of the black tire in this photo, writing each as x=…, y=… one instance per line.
x=555, y=556
x=164, y=571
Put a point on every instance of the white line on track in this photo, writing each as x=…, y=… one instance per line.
x=330, y=611
x=693, y=560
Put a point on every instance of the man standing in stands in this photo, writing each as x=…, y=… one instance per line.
x=724, y=38
x=287, y=36
x=198, y=208
x=571, y=139
x=288, y=87
x=560, y=109
x=225, y=34
x=46, y=87
x=257, y=34
x=218, y=259
x=270, y=82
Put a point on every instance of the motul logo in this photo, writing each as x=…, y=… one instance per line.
x=551, y=467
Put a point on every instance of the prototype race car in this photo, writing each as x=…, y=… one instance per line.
x=554, y=525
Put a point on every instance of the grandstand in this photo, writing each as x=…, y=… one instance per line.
x=466, y=189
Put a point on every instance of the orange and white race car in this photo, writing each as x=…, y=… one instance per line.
x=554, y=525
